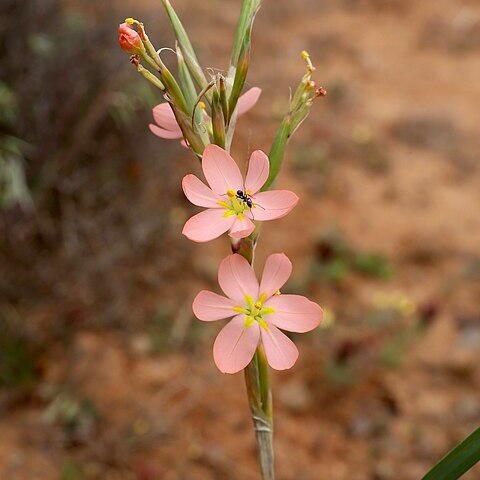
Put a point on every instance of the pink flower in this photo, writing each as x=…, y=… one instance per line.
x=231, y=202
x=258, y=312
x=167, y=126
x=130, y=40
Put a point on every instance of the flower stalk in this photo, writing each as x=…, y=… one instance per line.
x=260, y=403
x=257, y=383
x=134, y=59
x=252, y=340
x=300, y=105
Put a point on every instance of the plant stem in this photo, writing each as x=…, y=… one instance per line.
x=258, y=387
x=260, y=401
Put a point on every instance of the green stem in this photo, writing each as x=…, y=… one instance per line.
x=260, y=402
x=258, y=386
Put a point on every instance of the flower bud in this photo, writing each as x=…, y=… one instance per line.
x=130, y=40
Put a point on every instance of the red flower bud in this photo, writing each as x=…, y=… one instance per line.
x=130, y=40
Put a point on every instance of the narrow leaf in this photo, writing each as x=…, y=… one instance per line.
x=185, y=45
x=461, y=459
x=249, y=9
x=277, y=152
x=186, y=82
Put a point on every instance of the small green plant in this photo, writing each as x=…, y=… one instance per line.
x=335, y=259
x=17, y=363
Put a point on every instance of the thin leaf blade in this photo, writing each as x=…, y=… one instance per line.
x=458, y=461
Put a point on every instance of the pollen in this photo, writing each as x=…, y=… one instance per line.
x=305, y=54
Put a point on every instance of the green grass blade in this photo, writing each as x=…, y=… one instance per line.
x=249, y=9
x=461, y=459
x=186, y=46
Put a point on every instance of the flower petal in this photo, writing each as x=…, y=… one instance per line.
x=198, y=193
x=242, y=228
x=294, y=313
x=209, y=306
x=273, y=204
x=248, y=100
x=281, y=352
x=276, y=272
x=235, y=345
x=207, y=225
x=220, y=170
x=165, y=118
x=162, y=133
x=237, y=278
x=258, y=169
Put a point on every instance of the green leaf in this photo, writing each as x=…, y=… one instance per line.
x=249, y=9
x=186, y=46
x=186, y=82
x=241, y=72
x=277, y=152
x=461, y=459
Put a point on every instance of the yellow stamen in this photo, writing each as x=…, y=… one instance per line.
x=241, y=310
x=267, y=311
x=249, y=321
x=249, y=302
x=263, y=324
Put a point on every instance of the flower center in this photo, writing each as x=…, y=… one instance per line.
x=255, y=311
x=235, y=205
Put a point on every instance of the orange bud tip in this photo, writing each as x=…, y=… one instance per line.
x=130, y=40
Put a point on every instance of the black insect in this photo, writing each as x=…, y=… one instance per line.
x=245, y=197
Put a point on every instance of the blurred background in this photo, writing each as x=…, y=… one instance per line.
x=104, y=372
